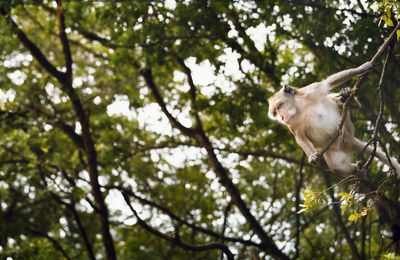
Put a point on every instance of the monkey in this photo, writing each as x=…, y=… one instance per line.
x=312, y=114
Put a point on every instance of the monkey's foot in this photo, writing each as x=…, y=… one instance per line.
x=344, y=94
x=360, y=170
x=313, y=158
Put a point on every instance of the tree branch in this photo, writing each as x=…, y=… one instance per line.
x=179, y=219
x=55, y=243
x=193, y=94
x=33, y=49
x=253, y=54
x=201, y=138
x=69, y=131
x=176, y=240
x=385, y=44
x=13, y=161
x=71, y=207
x=90, y=151
x=148, y=77
x=64, y=41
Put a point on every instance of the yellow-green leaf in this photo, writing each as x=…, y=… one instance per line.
x=353, y=217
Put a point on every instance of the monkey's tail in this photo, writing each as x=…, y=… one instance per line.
x=359, y=145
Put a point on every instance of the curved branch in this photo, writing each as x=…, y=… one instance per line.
x=385, y=44
x=148, y=77
x=176, y=240
x=70, y=132
x=71, y=207
x=181, y=220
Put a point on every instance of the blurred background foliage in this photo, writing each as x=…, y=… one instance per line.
x=238, y=55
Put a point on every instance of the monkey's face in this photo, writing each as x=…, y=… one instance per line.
x=282, y=105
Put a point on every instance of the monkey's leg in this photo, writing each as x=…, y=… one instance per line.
x=339, y=162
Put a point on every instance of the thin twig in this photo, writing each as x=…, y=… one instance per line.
x=380, y=114
x=347, y=179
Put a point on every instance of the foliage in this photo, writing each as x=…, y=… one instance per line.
x=389, y=7
x=311, y=199
x=152, y=141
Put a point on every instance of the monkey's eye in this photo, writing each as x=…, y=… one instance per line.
x=279, y=106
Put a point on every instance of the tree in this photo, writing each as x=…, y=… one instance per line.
x=190, y=165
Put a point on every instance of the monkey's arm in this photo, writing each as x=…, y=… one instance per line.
x=343, y=76
x=308, y=148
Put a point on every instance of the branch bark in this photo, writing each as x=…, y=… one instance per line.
x=148, y=77
x=34, y=50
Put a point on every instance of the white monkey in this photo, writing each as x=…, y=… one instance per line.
x=312, y=114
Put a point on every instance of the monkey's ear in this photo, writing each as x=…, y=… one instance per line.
x=289, y=90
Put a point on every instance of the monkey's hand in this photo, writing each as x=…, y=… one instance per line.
x=344, y=94
x=313, y=158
